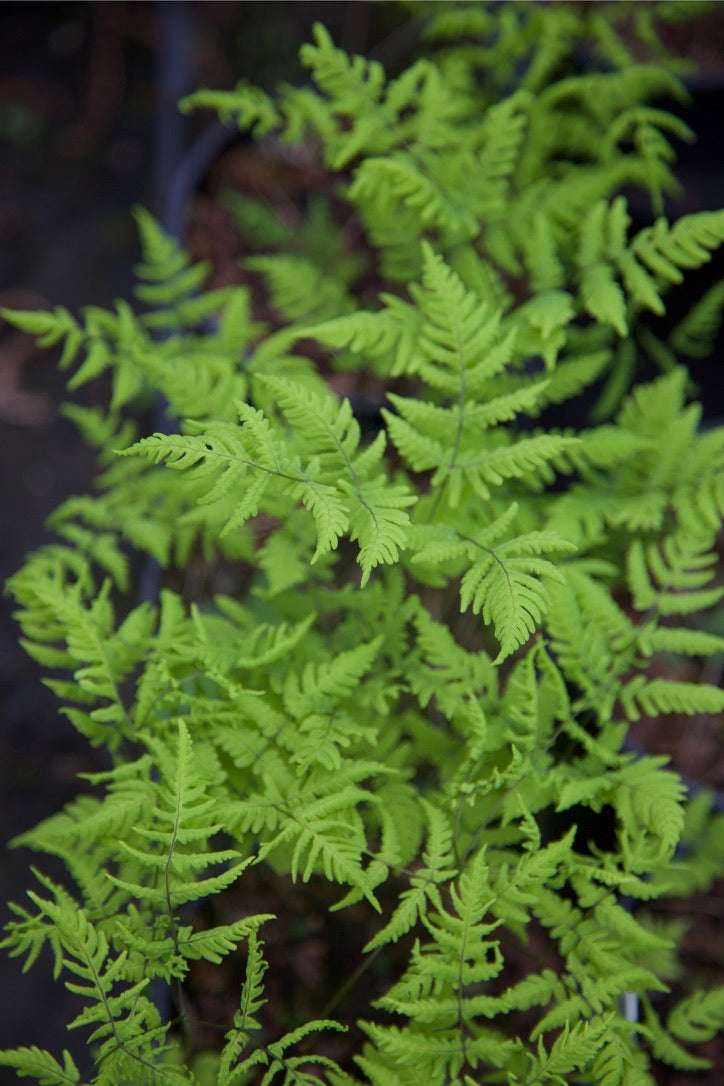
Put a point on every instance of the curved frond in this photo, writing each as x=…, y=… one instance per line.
x=40, y=1065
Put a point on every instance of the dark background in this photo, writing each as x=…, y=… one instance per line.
x=87, y=129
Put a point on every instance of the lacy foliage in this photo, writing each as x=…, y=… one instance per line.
x=413, y=672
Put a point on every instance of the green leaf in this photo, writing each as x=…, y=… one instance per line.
x=507, y=586
x=40, y=1065
x=699, y=1017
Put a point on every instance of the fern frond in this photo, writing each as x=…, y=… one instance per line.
x=331, y=515
x=541, y=324
x=326, y=835
x=251, y=1001
x=257, y=645
x=319, y=688
x=127, y=1020
x=574, y=1050
x=246, y=106
x=167, y=871
x=501, y=137
x=445, y=669
x=40, y=1065
x=438, y=1057
x=506, y=583
x=460, y=955
x=168, y=280
x=326, y=424
x=648, y=797
x=459, y=332
x=387, y=336
x=681, y=640
x=687, y=244
x=464, y=349
x=49, y=329
x=220, y=460
x=109, y=341
x=375, y=508
x=664, y=1045
x=655, y=696
x=698, y=1017
x=424, y=884
x=619, y=1061
x=413, y=184
x=339, y=727
x=212, y=944
x=450, y=23
x=379, y=522
x=100, y=656
x=696, y=334
x=673, y=576
x=354, y=85
x=521, y=458
x=299, y=290
x=506, y=586
x=602, y=297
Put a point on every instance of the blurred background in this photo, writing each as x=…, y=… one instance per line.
x=88, y=127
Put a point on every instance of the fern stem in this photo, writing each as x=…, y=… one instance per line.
x=351, y=981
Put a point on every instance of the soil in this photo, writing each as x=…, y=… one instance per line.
x=79, y=144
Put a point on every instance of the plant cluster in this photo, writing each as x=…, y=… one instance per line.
x=411, y=664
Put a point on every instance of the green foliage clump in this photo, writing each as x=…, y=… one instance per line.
x=409, y=670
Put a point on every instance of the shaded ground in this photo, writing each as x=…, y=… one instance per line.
x=79, y=146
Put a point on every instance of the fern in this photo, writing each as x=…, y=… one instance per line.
x=40, y=1065
x=698, y=1017
x=463, y=351
x=573, y=1050
x=402, y=636
x=424, y=885
x=122, y=1020
x=183, y=819
x=695, y=335
x=505, y=581
x=355, y=504
x=298, y=290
